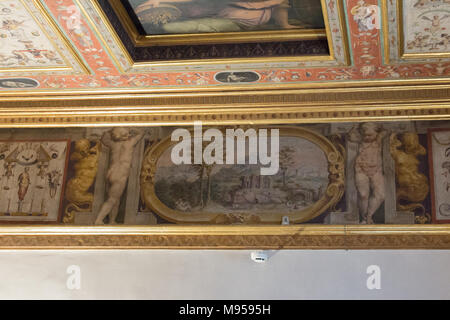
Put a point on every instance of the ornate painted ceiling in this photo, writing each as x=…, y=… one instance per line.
x=50, y=47
x=69, y=44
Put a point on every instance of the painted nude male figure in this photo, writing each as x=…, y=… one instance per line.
x=121, y=141
x=369, y=177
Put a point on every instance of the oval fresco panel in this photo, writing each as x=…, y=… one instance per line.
x=18, y=83
x=237, y=77
x=310, y=180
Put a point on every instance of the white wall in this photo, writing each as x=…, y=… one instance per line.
x=169, y=274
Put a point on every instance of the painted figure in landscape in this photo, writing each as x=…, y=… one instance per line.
x=300, y=182
x=369, y=177
x=121, y=142
x=199, y=16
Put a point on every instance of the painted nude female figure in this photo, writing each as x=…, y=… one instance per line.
x=24, y=182
x=122, y=143
x=247, y=13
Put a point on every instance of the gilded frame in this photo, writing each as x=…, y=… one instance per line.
x=226, y=37
x=227, y=237
x=334, y=190
x=231, y=105
x=133, y=66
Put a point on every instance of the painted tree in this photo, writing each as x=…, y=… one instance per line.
x=203, y=169
x=286, y=161
x=208, y=169
x=200, y=169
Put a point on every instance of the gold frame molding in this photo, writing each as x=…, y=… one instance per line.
x=139, y=40
x=333, y=193
x=282, y=104
x=227, y=237
x=225, y=37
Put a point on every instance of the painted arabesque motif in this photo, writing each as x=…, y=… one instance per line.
x=427, y=26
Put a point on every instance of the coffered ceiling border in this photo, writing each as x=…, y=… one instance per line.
x=335, y=30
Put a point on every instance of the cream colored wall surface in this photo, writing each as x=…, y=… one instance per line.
x=169, y=274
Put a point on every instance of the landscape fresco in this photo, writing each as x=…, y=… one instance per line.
x=207, y=16
x=300, y=182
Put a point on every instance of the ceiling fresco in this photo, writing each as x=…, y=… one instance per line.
x=70, y=44
x=31, y=43
x=17, y=47
x=427, y=24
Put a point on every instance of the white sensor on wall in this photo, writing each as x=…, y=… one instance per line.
x=259, y=256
